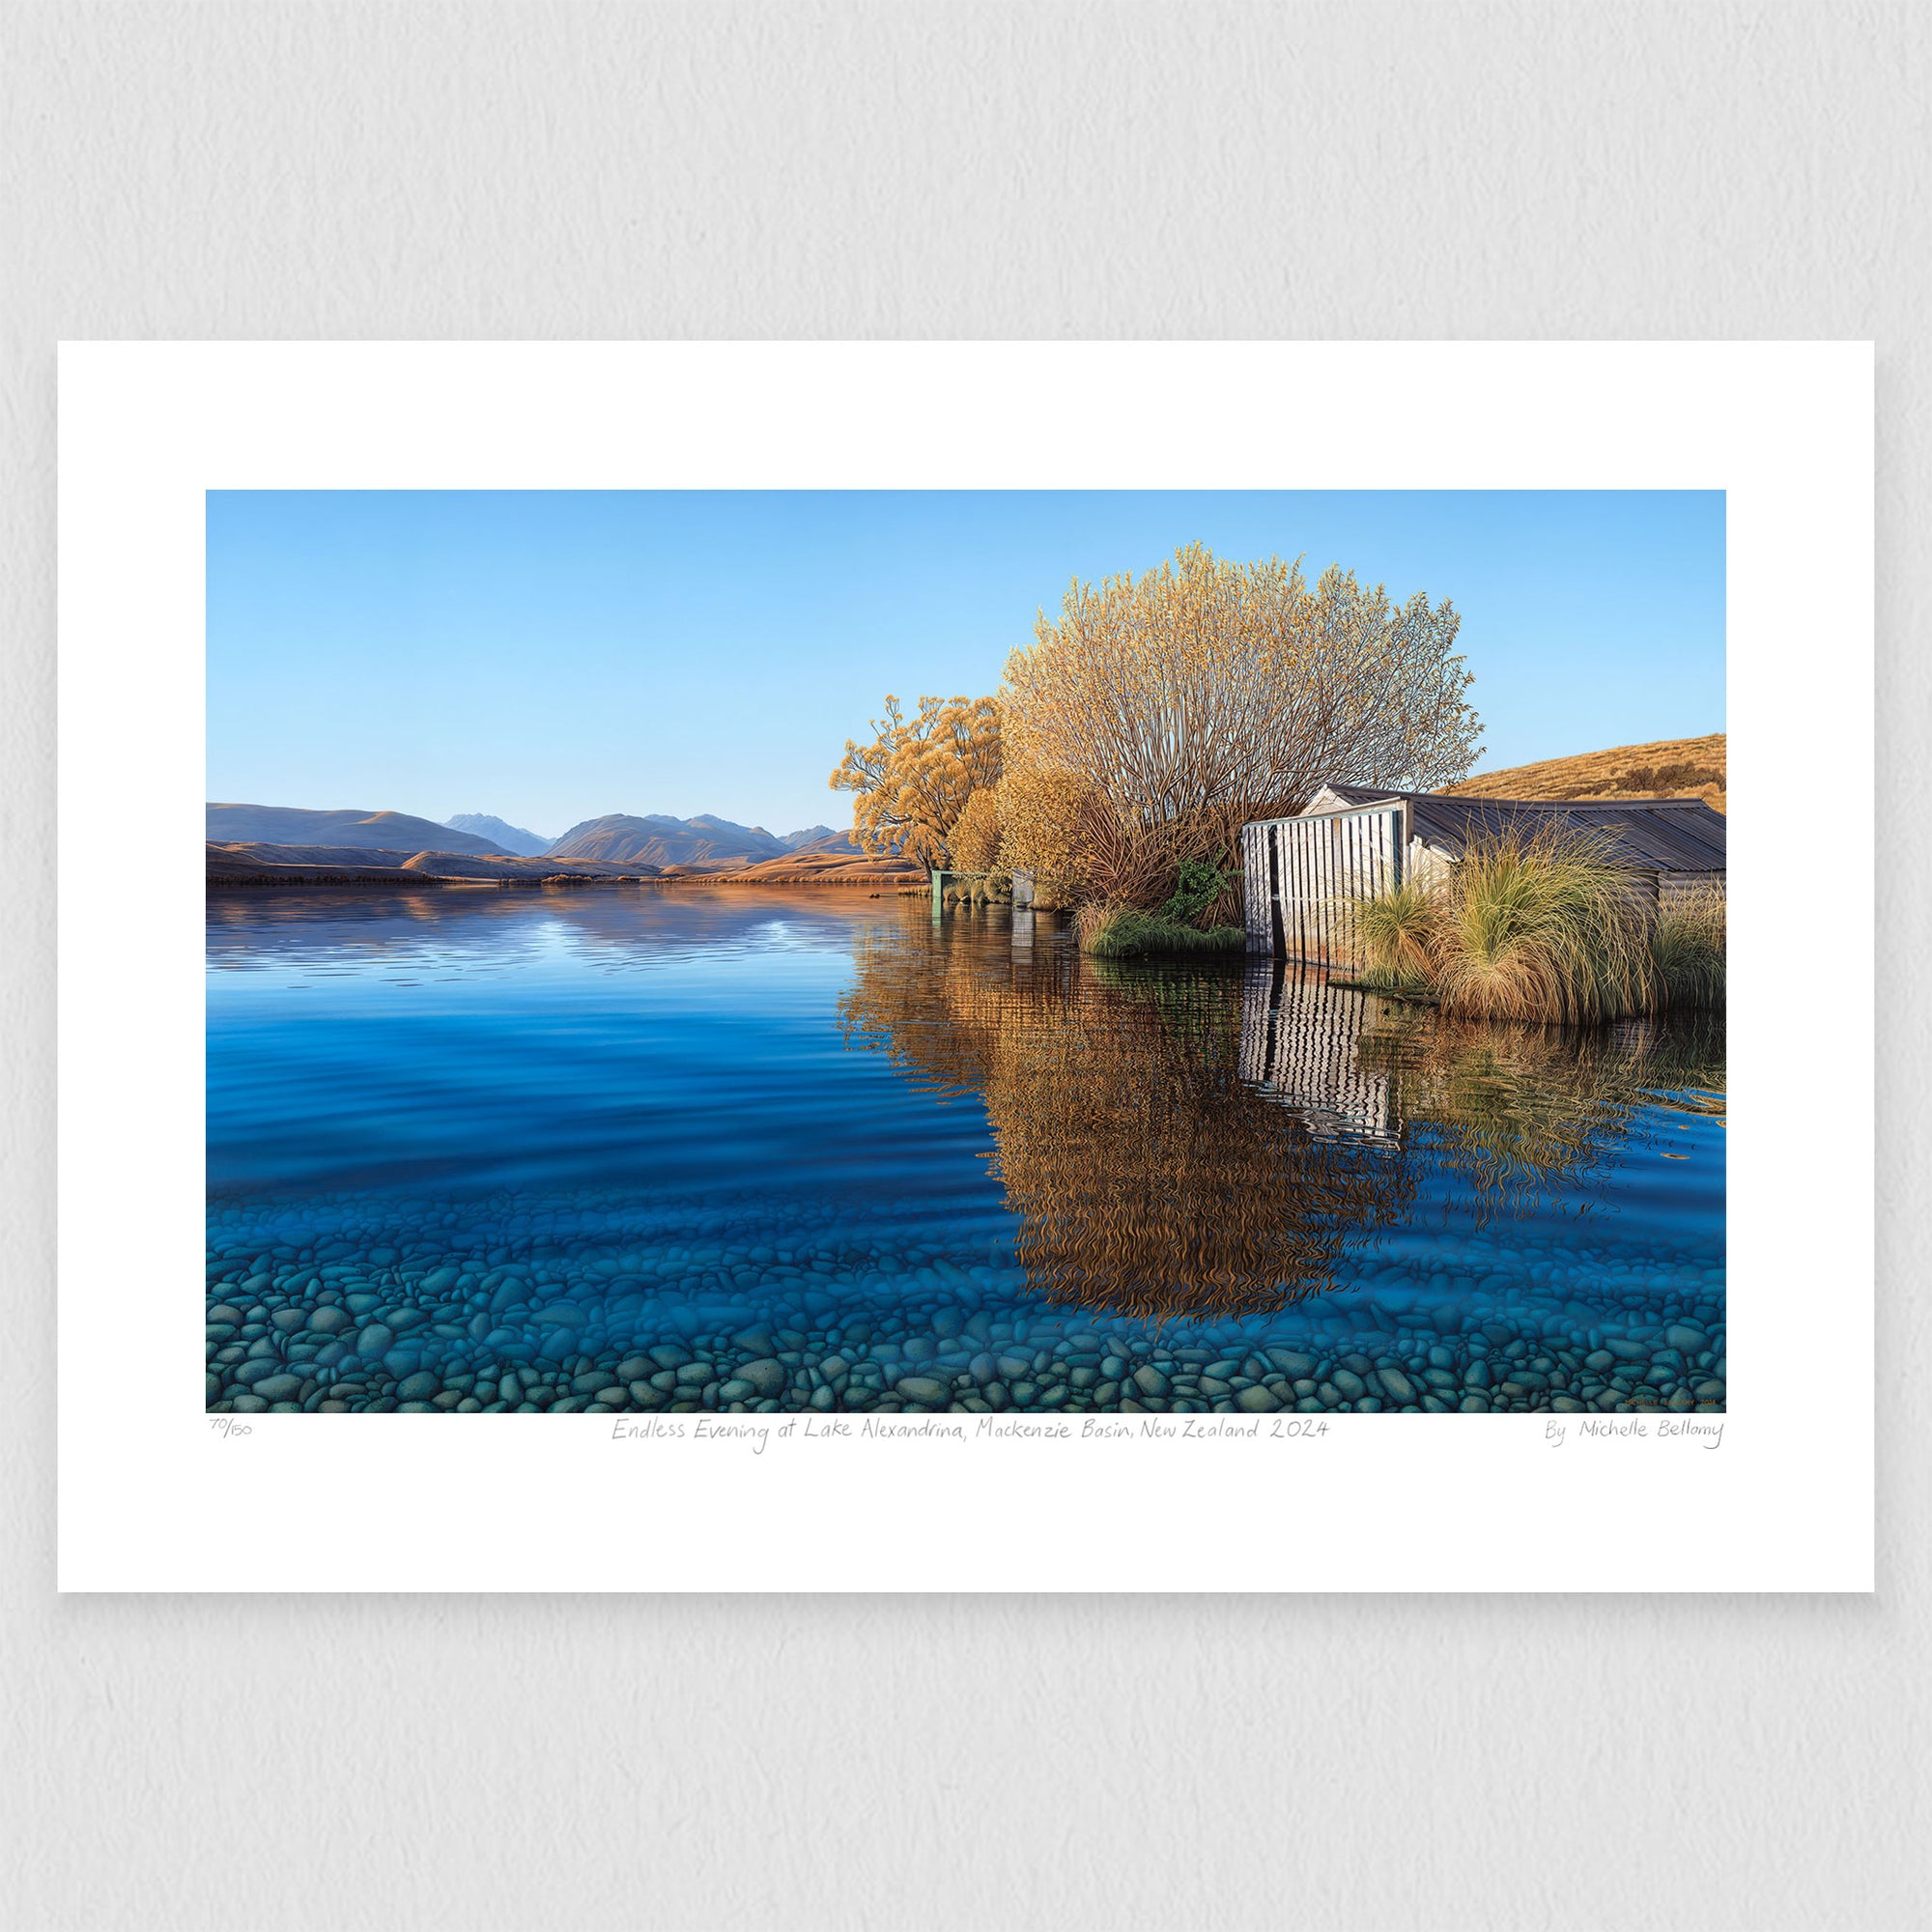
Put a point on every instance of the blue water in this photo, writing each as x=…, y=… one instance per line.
x=745, y=1148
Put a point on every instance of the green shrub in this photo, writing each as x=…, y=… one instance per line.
x=1200, y=884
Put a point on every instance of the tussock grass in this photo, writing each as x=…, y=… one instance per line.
x=1541, y=925
x=1399, y=931
x=1126, y=932
x=1687, y=948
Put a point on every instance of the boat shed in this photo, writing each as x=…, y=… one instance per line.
x=1300, y=874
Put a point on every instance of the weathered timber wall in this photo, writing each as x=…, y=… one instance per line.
x=1301, y=877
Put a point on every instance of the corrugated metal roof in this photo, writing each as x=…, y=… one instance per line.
x=1664, y=835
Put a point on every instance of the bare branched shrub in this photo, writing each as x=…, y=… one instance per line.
x=1206, y=694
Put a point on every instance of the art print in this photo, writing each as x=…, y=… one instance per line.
x=739, y=945
x=1283, y=976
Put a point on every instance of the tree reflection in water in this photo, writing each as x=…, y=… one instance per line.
x=1194, y=1141
x=1148, y=1177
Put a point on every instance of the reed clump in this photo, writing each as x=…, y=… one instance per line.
x=1126, y=932
x=1542, y=927
x=1686, y=947
x=1400, y=930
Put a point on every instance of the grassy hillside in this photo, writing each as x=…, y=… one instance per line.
x=258, y=859
x=825, y=868
x=1669, y=768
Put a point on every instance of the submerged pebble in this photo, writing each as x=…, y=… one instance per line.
x=580, y=1302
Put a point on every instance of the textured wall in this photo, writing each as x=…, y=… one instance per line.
x=1431, y=169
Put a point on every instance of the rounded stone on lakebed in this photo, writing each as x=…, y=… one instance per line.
x=826, y=1325
x=767, y=1377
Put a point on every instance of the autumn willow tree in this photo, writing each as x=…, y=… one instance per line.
x=1204, y=693
x=916, y=777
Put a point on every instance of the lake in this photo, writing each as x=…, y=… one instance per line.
x=750, y=1150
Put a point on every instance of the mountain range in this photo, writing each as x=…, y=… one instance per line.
x=511, y=837
x=292, y=825
x=818, y=839
x=705, y=843
x=658, y=839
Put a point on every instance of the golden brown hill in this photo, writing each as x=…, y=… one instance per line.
x=822, y=868
x=1669, y=768
x=257, y=860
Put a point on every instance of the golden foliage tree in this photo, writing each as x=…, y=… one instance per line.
x=1047, y=821
x=975, y=838
x=1207, y=692
x=916, y=777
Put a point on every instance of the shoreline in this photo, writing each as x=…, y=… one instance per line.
x=435, y=881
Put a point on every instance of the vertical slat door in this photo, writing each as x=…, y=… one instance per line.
x=1255, y=895
x=1304, y=875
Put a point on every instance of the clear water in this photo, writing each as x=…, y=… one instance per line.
x=752, y=1149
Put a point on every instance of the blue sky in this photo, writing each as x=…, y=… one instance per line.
x=551, y=656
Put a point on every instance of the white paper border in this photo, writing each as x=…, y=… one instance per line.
x=150, y=1499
